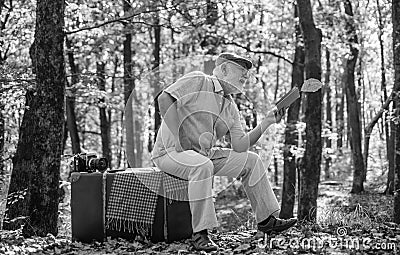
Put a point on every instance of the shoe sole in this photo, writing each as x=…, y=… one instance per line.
x=279, y=229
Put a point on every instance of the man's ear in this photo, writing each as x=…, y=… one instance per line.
x=224, y=69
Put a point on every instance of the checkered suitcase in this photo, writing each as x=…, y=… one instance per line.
x=90, y=193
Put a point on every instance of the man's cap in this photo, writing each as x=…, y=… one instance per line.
x=227, y=56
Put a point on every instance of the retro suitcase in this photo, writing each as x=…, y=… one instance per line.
x=89, y=202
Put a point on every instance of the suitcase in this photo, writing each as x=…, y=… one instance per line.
x=90, y=199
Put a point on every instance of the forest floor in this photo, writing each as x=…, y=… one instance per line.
x=346, y=224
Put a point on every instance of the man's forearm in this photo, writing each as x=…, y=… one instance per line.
x=256, y=133
x=251, y=138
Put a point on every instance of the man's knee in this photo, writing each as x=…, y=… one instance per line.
x=253, y=170
x=252, y=159
x=203, y=171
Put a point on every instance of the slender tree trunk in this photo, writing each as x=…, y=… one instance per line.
x=104, y=121
x=310, y=167
x=70, y=102
x=2, y=139
x=396, y=63
x=120, y=142
x=128, y=77
x=3, y=176
x=276, y=168
x=110, y=111
x=129, y=85
x=390, y=150
x=370, y=127
x=388, y=122
x=289, y=159
x=36, y=165
x=209, y=41
x=3, y=57
x=328, y=113
x=156, y=78
x=352, y=103
x=340, y=115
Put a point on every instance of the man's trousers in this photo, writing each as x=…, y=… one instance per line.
x=199, y=170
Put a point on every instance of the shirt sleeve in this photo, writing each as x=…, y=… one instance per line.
x=186, y=87
x=236, y=130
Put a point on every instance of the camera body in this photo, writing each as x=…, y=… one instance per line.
x=89, y=162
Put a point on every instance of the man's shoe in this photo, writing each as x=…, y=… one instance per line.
x=276, y=225
x=202, y=242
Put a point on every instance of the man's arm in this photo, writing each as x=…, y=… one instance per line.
x=243, y=143
x=167, y=106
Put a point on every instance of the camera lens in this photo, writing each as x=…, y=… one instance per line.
x=100, y=164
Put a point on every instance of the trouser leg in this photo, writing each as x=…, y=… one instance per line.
x=198, y=170
x=250, y=168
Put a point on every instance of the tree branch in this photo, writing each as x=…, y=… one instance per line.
x=90, y=132
x=370, y=126
x=248, y=49
x=111, y=21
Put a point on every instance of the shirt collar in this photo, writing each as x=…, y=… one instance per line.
x=217, y=85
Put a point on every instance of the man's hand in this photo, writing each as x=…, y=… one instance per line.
x=275, y=116
x=279, y=114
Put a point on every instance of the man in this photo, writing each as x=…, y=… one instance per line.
x=197, y=110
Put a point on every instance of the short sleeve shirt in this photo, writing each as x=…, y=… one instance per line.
x=205, y=115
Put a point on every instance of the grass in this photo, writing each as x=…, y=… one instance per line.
x=338, y=217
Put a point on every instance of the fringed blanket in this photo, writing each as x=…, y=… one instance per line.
x=133, y=198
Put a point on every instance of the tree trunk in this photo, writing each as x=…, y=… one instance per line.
x=120, y=143
x=129, y=85
x=36, y=165
x=70, y=102
x=110, y=110
x=396, y=63
x=339, y=115
x=289, y=159
x=3, y=176
x=278, y=68
x=156, y=78
x=370, y=127
x=310, y=168
x=209, y=42
x=352, y=103
x=388, y=122
x=3, y=57
x=328, y=113
x=104, y=120
x=390, y=153
x=128, y=79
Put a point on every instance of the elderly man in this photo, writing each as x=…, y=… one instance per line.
x=197, y=110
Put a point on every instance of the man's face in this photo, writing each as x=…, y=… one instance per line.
x=236, y=76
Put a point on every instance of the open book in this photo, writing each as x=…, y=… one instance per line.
x=288, y=99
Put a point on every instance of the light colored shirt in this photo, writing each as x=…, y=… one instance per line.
x=205, y=115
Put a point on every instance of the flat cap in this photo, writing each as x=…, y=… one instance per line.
x=227, y=56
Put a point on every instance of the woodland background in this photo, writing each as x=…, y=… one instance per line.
x=67, y=70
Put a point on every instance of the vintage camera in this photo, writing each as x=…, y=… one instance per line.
x=89, y=162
